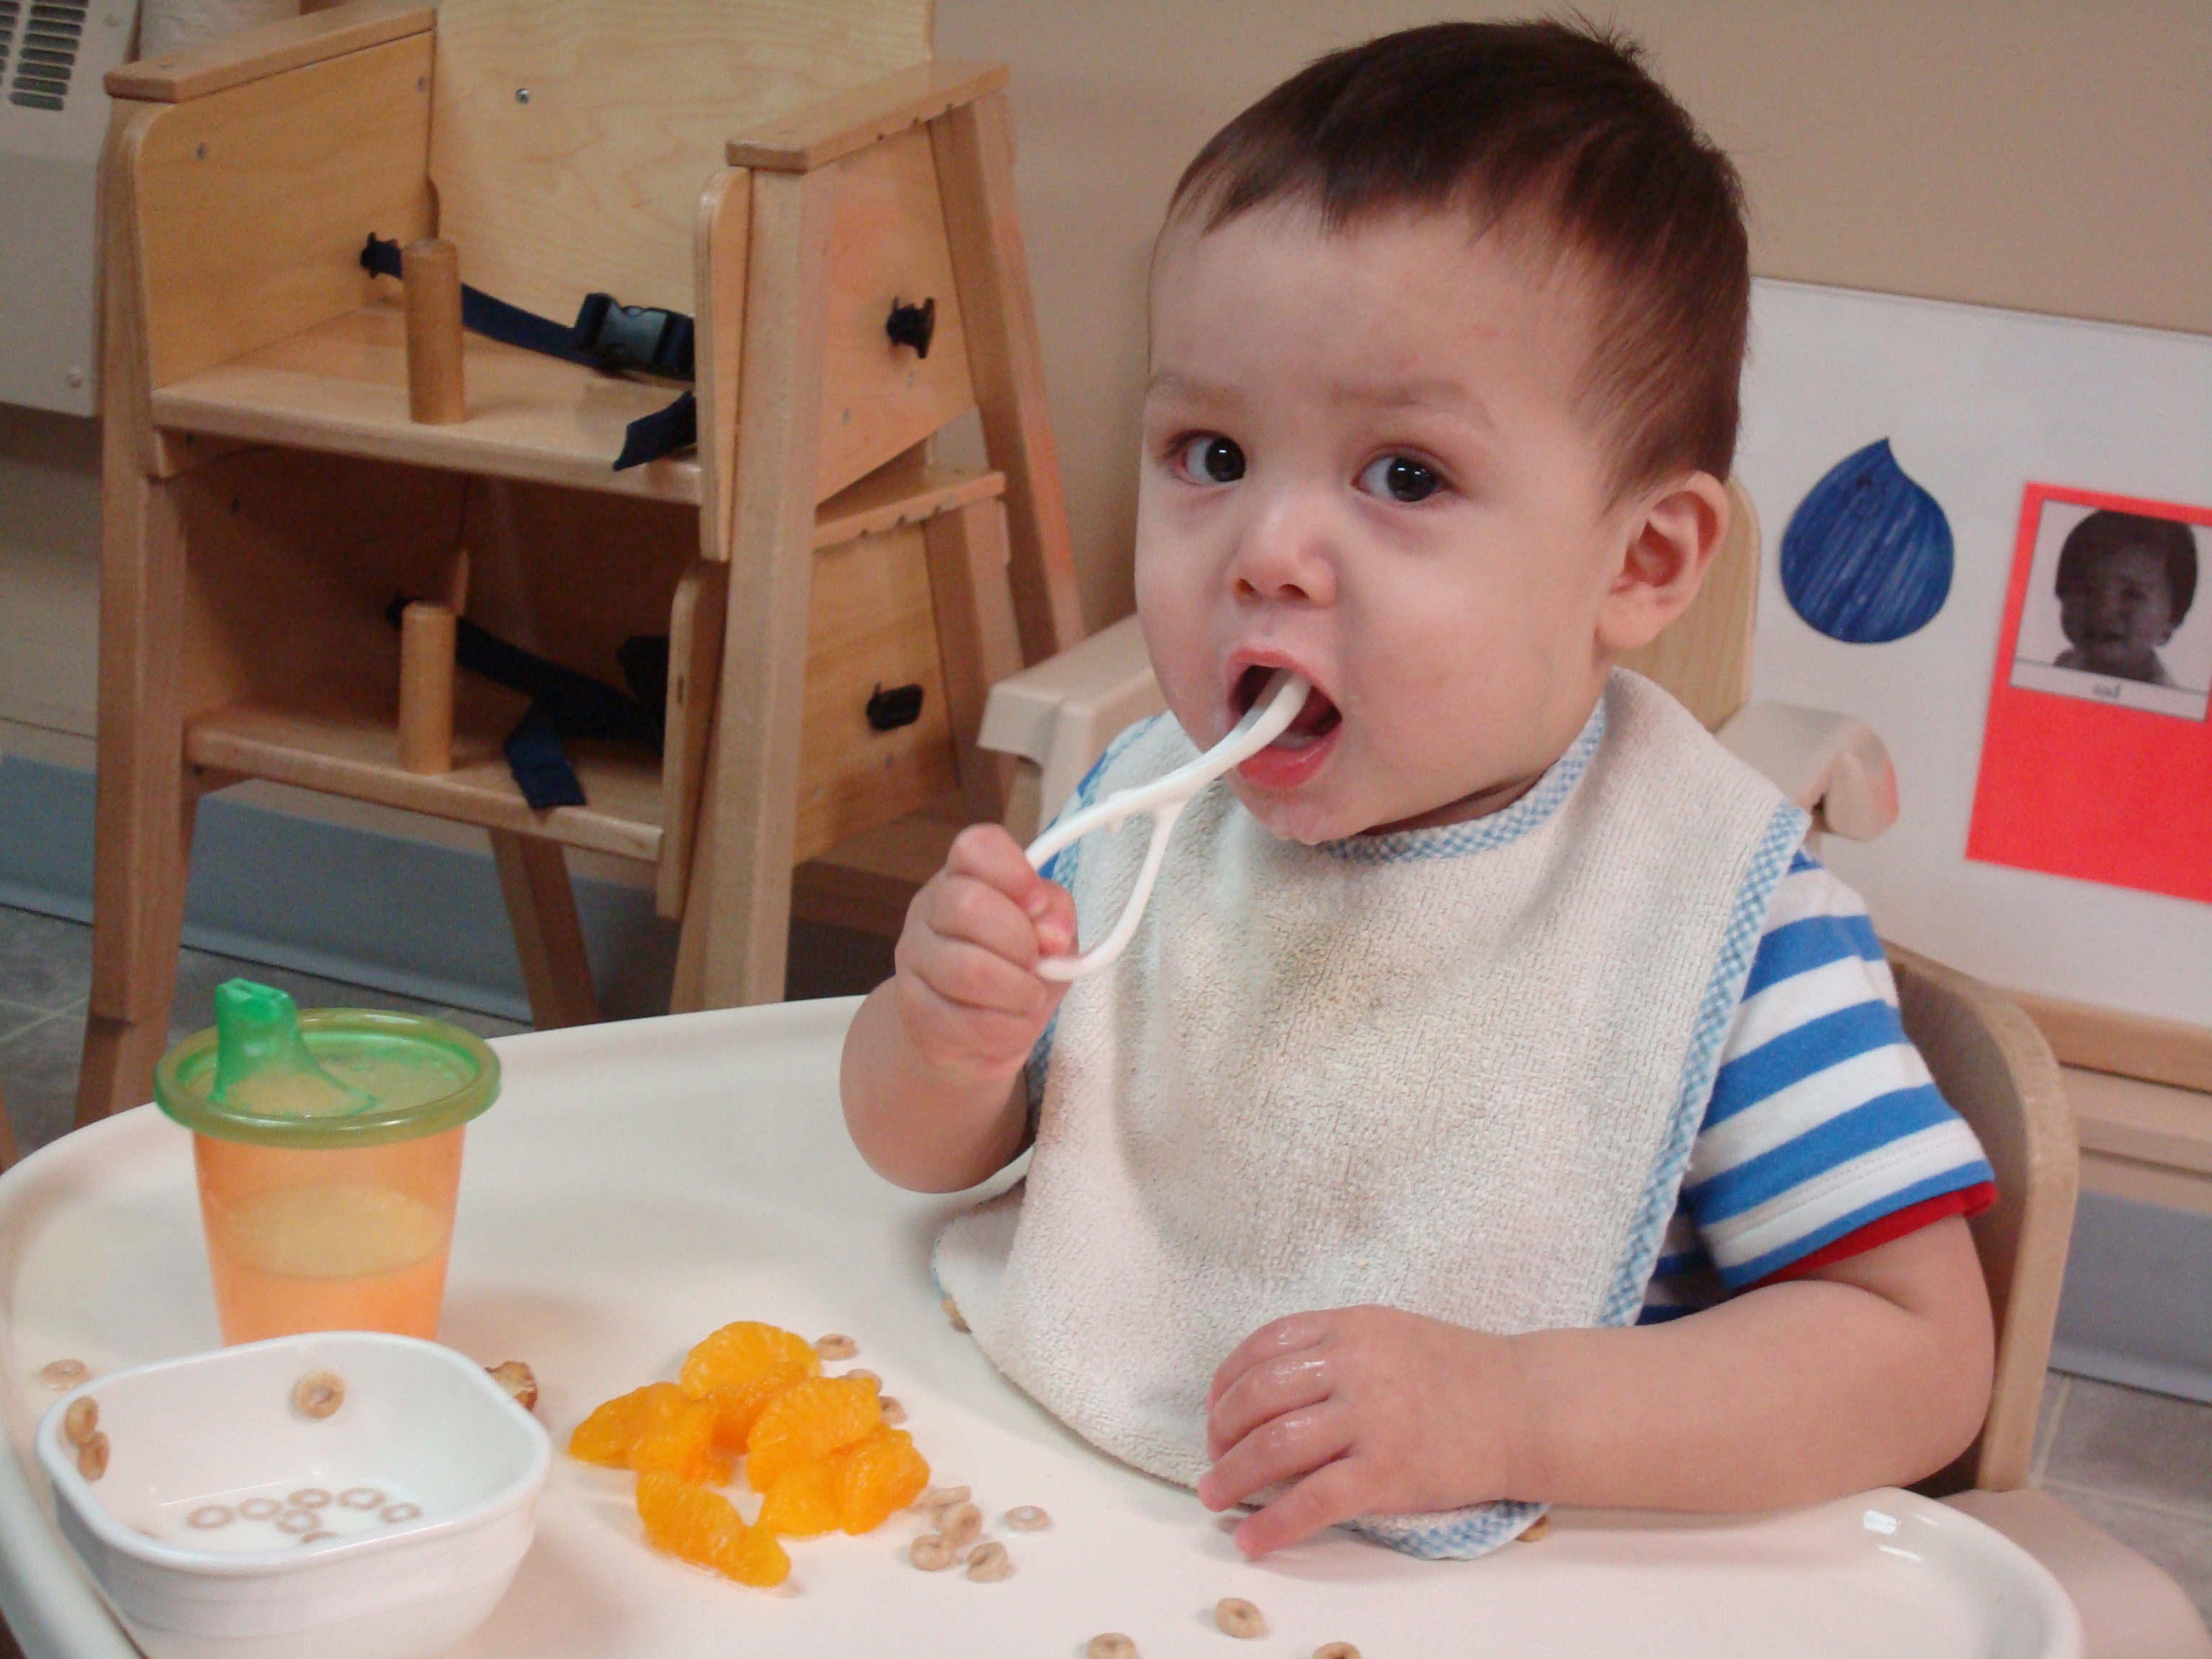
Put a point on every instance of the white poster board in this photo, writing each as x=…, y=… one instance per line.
x=1976, y=404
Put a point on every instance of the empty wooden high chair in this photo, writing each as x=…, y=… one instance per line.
x=788, y=201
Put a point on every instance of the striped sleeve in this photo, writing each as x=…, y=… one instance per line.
x=1825, y=1134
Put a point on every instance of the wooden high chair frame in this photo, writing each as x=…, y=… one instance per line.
x=785, y=171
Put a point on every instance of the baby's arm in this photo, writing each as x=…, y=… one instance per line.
x=1873, y=1370
x=931, y=1076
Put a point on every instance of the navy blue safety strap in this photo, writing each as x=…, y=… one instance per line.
x=563, y=703
x=606, y=336
x=661, y=433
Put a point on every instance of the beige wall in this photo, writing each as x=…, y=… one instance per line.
x=2051, y=155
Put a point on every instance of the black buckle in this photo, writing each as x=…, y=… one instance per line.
x=645, y=338
x=888, y=710
x=911, y=325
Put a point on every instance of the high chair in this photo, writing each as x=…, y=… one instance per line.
x=1987, y=1058
x=294, y=445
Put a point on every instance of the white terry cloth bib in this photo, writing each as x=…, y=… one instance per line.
x=1453, y=1071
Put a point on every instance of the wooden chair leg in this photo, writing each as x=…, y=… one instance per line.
x=977, y=639
x=549, y=936
x=143, y=821
x=974, y=148
x=7, y=1153
x=742, y=872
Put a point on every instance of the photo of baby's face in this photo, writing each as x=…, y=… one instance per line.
x=2117, y=613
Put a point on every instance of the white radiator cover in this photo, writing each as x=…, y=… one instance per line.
x=53, y=116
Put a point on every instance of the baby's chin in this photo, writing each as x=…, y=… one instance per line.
x=1303, y=815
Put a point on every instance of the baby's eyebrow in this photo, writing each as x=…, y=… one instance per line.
x=1174, y=383
x=1438, y=392
x=1421, y=391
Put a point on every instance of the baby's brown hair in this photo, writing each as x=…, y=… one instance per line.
x=1533, y=125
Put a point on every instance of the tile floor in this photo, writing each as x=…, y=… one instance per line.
x=2137, y=1464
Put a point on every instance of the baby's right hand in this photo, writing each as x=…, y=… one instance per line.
x=969, y=998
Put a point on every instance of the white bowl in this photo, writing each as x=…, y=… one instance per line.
x=427, y=1474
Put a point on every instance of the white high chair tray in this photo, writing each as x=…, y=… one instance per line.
x=639, y=1184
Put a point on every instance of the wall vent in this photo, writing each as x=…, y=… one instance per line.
x=51, y=37
x=53, y=117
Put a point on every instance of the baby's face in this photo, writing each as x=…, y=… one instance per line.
x=2118, y=612
x=1364, y=459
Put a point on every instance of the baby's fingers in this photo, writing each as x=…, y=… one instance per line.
x=1278, y=1449
x=990, y=855
x=1051, y=910
x=1266, y=1390
x=1335, y=1492
x=1272, y=1341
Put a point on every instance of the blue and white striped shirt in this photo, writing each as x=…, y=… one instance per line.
x=1823, y=1122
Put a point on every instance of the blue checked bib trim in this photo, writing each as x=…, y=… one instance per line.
x=1451, y=841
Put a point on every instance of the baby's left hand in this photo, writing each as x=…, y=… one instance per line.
x=1375, y=1408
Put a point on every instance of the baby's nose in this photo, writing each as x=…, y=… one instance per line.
x=1284, y=555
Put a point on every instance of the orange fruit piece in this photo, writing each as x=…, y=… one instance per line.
x=740, y=1352
x=607, y=1436
x=802, y=1504
x=752, y=1556
x=682, y=1446
x=808, y=1421
x=874, y=1477
x=737, y=1405
x=696, y=1525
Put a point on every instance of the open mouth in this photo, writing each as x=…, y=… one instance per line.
x=1315, y=721
x=1298, y=757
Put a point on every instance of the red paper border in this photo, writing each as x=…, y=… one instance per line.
x=2095, y=790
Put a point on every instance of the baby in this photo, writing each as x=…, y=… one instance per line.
x=2125, y=581
x=1497, y=1107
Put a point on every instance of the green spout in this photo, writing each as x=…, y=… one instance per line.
x=263, y=1067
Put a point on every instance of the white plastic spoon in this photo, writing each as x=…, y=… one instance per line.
x=1164, y=799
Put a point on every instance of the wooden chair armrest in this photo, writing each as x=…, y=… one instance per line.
x=803, y=139
x=1834, y=766
x=255, y=54
x=1060, y=714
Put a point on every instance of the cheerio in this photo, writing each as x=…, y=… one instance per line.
x=328, y=1144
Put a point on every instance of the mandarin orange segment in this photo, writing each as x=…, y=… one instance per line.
x=874, y=1477
x=808, y=1421
x=802, y=1504
x=686, y=1520
x=737, y=1405
x=607, y=1436
x=684, y=1446
x=740, y=1351
x=752, y=1555
x=696, y=1525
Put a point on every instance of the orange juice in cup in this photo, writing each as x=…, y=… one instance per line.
x=328, y=1147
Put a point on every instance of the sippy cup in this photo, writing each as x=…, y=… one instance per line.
x=328, y=1145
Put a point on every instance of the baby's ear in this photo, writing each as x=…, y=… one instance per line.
x=1668, y=544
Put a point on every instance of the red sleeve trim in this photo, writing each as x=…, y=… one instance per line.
x=1969, y=1201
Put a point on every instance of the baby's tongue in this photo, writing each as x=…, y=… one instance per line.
x=1315, y=716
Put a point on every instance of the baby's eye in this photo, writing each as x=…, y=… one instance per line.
x=1209, y=459
x=1400, y=478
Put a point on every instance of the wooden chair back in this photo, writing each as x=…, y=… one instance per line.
x=1704, y=657
x=1997, y=1071
x=570, y=139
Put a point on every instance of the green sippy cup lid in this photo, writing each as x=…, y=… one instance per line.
x=272, y=1076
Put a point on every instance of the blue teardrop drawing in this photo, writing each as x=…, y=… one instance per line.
x=1867, y=557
